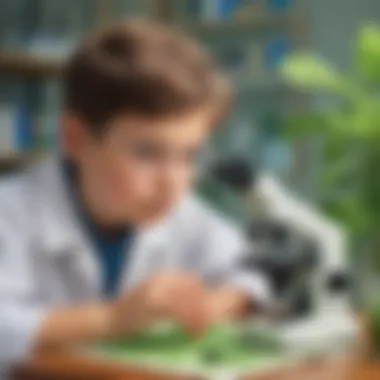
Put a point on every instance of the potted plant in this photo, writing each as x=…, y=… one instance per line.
x=349, y=132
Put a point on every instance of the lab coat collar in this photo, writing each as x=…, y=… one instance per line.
x=63, y=229
x=65, y=239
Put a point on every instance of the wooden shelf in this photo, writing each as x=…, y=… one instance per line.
x=27, y=64
x=258, y=24
x=6, y=157
x=9, y=162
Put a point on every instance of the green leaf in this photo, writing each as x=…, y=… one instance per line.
x=307, y=71
x=349, y=211
x=336, y=146
x=339, y=175
x=368, y=52
x=371, y=183
x=306, y=124
x=349, y=130
x=364, y=120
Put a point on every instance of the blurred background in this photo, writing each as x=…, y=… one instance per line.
x=297, y=116
x=249, y=38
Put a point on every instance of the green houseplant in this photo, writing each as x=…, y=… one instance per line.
x=349, y=132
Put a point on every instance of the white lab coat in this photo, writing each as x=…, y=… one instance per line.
x=46, y=260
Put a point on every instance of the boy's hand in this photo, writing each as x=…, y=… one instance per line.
x=226, y=304
x=178, y=297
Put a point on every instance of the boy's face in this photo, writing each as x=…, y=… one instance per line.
x=139, y=168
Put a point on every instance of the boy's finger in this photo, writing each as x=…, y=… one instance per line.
x=192, y=313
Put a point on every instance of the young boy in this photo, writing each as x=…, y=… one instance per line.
x=109, y=238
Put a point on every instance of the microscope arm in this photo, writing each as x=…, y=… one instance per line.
x=284, y=206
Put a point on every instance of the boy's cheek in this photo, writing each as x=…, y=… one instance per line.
x=137, y=194
x=133, y=199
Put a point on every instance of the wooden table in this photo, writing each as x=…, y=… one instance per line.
x=67, y=367
x=64, y=366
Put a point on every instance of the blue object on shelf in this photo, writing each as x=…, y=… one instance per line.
x=227, y=7
x=23, y=136
x=278, y=5
x=212, y=9
x=275, y=50
x=276, y=155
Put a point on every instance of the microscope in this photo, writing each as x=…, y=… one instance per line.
x=314, y=310
x=301, y=281
x=310, y=278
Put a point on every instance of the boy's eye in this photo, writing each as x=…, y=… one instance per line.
x=147, y=151
x=144, y=151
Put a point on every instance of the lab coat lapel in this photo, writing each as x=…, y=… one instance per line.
x=65, y=239
x=150, y=255
x=151, y=252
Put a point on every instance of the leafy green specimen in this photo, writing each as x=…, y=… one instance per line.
x=221, y=345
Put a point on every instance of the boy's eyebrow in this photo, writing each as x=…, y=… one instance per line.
x=128, y=121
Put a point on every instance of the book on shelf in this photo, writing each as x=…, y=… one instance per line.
x=57, y=26
x=15, y=122
x=15, y=130
x=219, y=10
x=276, y=48
x=204, y=10
x=252, y=62
x=28, y=115
x=45, y=120
x=253, y=9
x=279, y=6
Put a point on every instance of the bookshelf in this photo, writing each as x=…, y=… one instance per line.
x=253, y=87
x=252, y=36
x=34, y=40
x=21, y=61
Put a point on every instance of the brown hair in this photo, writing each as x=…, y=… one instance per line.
x=143, y=68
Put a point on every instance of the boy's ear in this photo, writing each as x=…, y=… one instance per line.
x=74, y=135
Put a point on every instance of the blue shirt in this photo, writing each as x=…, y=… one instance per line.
x=111, y=247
